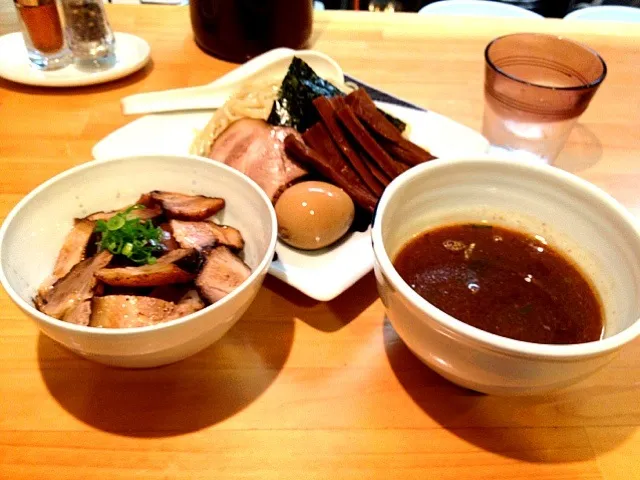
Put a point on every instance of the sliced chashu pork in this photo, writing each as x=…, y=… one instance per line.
x=152, y=209
x=200, y=235
x=74, y=288
x=256, y=149
x=163, y=272
x=222, y=273
x=187, y=207
x=80, y=314
x=126, y=311
x=170, y=293
x=189, y=303
x=167, y=240
x=141, y=213
x=72, y=252
x=74, y=247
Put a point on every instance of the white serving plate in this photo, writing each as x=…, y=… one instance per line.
x=323, y=274
x=132, y=53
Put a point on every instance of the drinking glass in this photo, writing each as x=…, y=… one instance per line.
x=536, y=87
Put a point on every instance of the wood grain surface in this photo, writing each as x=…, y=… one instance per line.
x=300, y=389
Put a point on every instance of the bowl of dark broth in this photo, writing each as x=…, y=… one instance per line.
x=507, y=278
x=504, y=282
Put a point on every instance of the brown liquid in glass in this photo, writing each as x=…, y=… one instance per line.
x=503, y=282
x=43, y=24
x=238, y=30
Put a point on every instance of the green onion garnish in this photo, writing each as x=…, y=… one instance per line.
x=131, y=237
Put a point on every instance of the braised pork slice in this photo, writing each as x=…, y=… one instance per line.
x=74, y=247
x=189, y=303
x=147, y=213
x=163, y=272
x=176, y=255
x=144, y=276
x=126, y=311
x=188, y=207
x=44, y=289
x=221, y=274
x=170, y=293
x=167, y=239
x=201, y=235
x=80, y=315
x=75, y=287
x=256, y=149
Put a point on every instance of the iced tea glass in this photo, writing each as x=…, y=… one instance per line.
x=536, y=87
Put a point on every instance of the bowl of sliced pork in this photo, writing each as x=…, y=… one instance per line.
x=140, y=261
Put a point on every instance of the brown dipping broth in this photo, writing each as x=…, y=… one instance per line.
x=503, y=282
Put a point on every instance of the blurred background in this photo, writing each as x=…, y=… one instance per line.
x=548, y=8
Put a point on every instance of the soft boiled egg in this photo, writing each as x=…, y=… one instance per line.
x=313, y=215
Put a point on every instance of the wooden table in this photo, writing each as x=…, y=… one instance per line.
x=300, y=389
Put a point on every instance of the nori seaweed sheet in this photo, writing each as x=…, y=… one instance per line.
x=294, y=105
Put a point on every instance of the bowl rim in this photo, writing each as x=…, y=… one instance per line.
x=570, y=352
x=109, y=332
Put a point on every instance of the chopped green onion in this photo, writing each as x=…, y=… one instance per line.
x=127, y=249
x=129, y=236
x=116, y=222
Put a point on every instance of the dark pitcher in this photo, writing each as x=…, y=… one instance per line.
x=238, y=30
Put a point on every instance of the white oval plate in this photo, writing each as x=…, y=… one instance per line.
x=132, y=53
x=322, y=274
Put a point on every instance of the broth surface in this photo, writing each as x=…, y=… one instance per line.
x=503, y=282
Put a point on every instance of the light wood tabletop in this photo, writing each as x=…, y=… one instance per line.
x=300, y=389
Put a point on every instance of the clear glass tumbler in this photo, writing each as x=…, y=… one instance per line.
x=536, y=87
x=43, y=33
x=90, y=37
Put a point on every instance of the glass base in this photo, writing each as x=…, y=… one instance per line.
x=506, y=153
x=95, y=64
x=530, y=139
x=92, y=56
x=49, y=62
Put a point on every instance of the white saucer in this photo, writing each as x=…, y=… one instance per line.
x=132, y=53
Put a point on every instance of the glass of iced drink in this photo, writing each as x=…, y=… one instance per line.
x=536, y=87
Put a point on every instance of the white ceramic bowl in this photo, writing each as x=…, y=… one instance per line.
x=34, y=231
x=573, y=215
